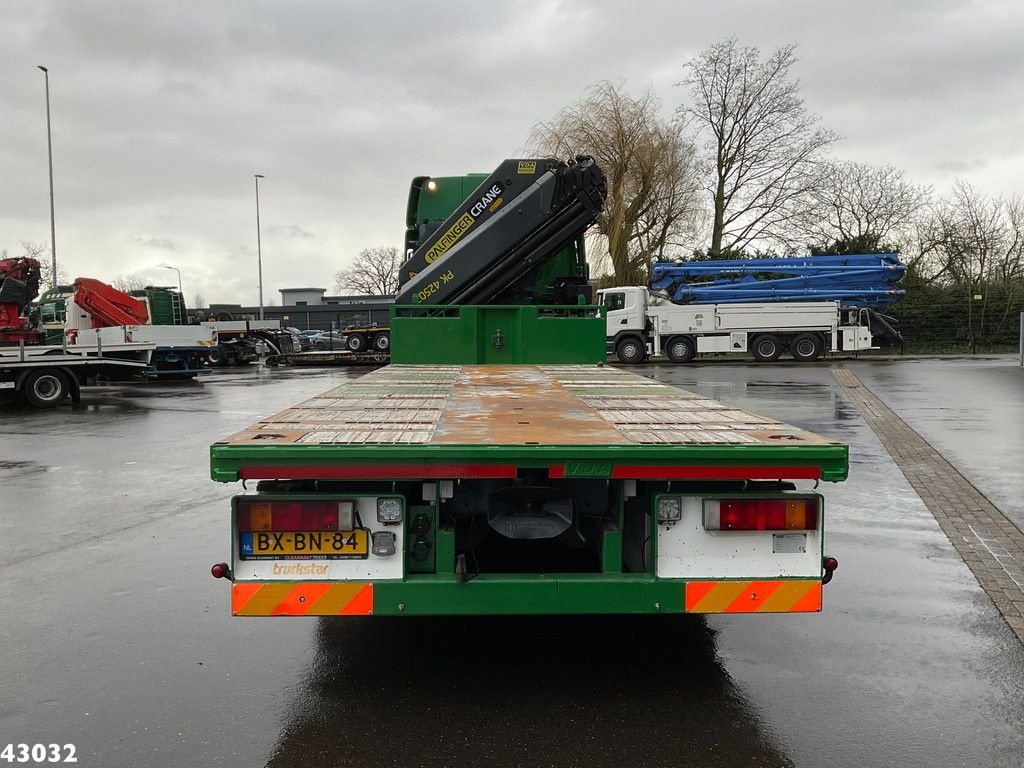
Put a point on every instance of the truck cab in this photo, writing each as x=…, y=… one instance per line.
x=626, y=313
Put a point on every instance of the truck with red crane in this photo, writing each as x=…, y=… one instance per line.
x=45, y=375
x=100, y=313
x=499, y=466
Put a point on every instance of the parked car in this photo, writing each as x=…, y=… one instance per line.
x=305, y=341
x=329, y=340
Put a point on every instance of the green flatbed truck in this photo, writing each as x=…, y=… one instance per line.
x=499, y=467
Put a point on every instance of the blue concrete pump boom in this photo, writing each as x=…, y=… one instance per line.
x=860, y=280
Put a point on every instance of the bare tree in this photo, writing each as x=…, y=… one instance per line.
x=373, y=273
x=198, y=300
x=976, y=244
x=979, y=238
x=860, y=207
x=653, y=189
x=763, y=148
x=128, y=283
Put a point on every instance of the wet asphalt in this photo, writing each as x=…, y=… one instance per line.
x=114, y=637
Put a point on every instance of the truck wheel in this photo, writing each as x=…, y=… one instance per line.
x=214, y=356
x=680, y=349
x=806, y=348
x=767, y=348
x=382, y=342
x=630, y=351
x=356, y=343
x=45, y=389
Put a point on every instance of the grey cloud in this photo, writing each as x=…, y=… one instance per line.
x=163, y=111
x=290, y=232
x=158, y=243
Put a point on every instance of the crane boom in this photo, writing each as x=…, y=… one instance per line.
x=522, y=214
x=107, y=305
x=863, y=280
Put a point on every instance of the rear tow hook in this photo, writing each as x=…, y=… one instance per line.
x=829, y=565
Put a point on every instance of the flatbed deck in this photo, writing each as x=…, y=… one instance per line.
x=407, y=421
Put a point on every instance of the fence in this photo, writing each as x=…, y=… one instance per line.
x=949, y=320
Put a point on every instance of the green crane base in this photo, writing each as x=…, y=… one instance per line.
x=510, y=335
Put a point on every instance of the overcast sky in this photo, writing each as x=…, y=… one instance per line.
x=163, y=111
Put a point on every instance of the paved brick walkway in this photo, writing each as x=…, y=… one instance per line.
x=989, y=543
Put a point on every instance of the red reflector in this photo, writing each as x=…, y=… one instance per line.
x=319, y=516
x=287, y=515
x=761, y=514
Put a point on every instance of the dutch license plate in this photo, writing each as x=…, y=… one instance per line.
x=330, y=545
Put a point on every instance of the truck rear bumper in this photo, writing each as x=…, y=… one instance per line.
x=430, y=595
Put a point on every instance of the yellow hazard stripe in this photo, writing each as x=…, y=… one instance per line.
x=767, y=596
x=315, y=598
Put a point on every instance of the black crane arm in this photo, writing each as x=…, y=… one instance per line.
x=519, y=217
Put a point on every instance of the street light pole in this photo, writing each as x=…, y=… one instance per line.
x=259, y=248
x=49, y=152
x=168, y=266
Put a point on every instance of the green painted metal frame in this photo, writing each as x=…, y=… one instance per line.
x=523, y=594
x=497, y=334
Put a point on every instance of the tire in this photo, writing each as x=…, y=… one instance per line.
x=356, y=343
x=45, y=389
x=806, y=348
x=382, y=342
x=631, y=350
x=320, y=346
x=215, y=356
x=680, y=349
x=767, y=348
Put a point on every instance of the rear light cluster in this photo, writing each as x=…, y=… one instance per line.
x=761, y=514
x=295, y=516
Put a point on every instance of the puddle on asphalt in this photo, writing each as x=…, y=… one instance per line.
x=549, y=690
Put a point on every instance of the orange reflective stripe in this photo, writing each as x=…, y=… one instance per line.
x=301, y=599
x=774, y=596
x=753, y=597
x=810, y=601
x=314, y=598
x=786, y=596
x=265, y=599
x=361, y=604
x=697, y=591
x=336, y=599
x=720, y=596
x=242, y=594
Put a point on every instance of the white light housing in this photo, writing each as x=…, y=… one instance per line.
x=431, y=185
x=346, y=515
x=670, y=509
x=389, y=511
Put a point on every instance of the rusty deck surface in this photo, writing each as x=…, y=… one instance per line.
x=475, y=405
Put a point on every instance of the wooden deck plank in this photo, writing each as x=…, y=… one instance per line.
x=515, y=406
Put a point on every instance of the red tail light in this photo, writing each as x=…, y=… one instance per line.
x=761, y=514
x=294, y=515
